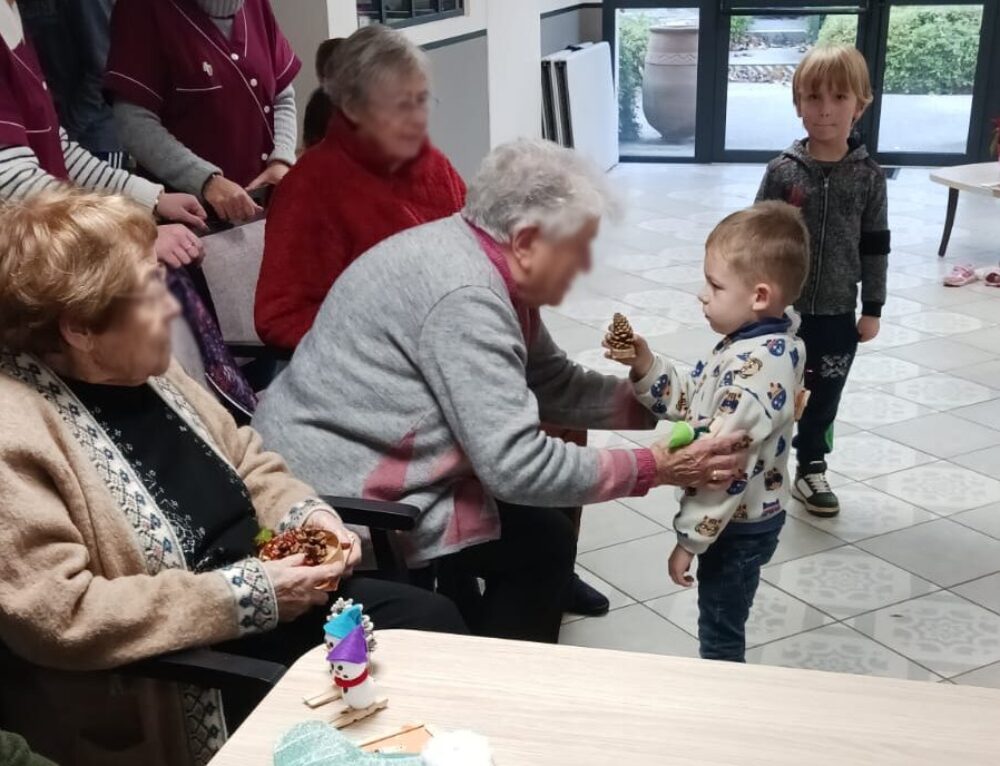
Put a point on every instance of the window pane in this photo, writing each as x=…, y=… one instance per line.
x=763, y=54
x=657, y=52
x=930, y=66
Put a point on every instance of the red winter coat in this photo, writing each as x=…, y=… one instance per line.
x=337, y=202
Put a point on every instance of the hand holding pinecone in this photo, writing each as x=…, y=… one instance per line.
x=620, y=339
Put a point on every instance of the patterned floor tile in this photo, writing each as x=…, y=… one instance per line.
x=799, y=539
x=892, y=335
x=985, y=519
x=988, y=677
x=943, y=552
x=940, y=354
x=879, y=369
x=941, y=322
x=633, y=629
x=985, y=591
x=940, y=631
x=774, y=614
x=839, y=649
x=870, y=409
x=941, y=487
x=846, y=582
x=616, y=599
x=941, y=392
x=865, y=456
x=986, y=461
x=865, y=512
x=673, y=304
x=611, y=523
x=637, y=568
x=942, y=435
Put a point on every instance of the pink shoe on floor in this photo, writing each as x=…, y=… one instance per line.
x=960, y=276
x=992, y=278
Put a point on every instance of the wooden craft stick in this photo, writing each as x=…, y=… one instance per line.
x=323, y=698
x=348, y=716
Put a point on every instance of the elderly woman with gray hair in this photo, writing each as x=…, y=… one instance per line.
x=374, y=175
x=429, y=370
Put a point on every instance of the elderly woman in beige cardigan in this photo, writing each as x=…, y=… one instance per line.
x=129, y=501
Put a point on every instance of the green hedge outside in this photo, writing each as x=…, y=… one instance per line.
x=931, y=49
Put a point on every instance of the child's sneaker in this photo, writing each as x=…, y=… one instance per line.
x=813, y=490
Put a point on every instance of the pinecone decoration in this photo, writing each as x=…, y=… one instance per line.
x=620, y=338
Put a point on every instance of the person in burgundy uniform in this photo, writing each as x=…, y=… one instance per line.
x=203, y=97
x=36, y=153
x=374, y=175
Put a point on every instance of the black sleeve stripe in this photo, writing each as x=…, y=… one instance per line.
x=875, y=242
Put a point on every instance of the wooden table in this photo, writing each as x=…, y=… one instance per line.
x=970, y=178
x=561, y=705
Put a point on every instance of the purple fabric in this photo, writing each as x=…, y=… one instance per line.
x=223, y=373
x=352, y=649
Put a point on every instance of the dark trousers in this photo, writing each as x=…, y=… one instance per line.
x=390, y=605
x=728, y=577
x=527, y=573
x=831, y=343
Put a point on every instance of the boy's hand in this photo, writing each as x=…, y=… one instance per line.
x=640, y=363
x=868, y=328
x=679, y=564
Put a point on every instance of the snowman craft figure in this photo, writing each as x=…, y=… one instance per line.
x=349, y=663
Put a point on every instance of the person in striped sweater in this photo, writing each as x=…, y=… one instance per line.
x=36, y=153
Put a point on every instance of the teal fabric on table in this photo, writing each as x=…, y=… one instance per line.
x=318, y=744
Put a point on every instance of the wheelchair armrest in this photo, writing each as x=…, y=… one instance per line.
x=207, y=668
x=377, y=514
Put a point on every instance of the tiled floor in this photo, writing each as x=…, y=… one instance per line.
x=906, y=581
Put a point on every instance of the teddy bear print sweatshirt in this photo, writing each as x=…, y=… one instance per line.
x=748, y=383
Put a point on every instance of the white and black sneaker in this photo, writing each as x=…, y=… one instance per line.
x=813, y=490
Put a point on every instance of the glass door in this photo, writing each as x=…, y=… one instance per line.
x=931, y=64
x=656, y=62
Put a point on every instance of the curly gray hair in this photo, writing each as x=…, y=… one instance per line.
x=530, y=182
x=365, y=59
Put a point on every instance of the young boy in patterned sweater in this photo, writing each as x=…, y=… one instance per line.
x=755, y=264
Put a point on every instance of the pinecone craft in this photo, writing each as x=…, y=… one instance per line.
x=620, y=338
x=318, y=545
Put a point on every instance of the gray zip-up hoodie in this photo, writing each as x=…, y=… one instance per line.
x=846, y=211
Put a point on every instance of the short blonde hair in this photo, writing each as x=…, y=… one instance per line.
x=67, y=253
x=363, y=61
x=766, y=243
x=840, y=67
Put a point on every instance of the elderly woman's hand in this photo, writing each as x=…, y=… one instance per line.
x=332, y=523
x=299, y=588
x=711, y=461
x=177, y=245
x=229, y=200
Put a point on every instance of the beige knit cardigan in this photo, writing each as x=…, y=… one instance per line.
x=92, y=577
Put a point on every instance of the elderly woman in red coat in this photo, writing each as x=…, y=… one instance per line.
x=374, y=175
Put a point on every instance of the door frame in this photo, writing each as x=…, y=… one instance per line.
x=873, y=25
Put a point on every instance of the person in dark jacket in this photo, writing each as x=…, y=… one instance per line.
x=842, y=194
x=319, y=110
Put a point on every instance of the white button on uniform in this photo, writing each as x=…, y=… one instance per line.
x=253, y=81
x=267, y=110
x=235, y=57
x=45, y=86
x=264, y=157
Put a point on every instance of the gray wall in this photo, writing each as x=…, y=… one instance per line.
x=460, y=121
x=577, y=26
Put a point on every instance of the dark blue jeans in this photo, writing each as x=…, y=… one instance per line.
x=728, y=576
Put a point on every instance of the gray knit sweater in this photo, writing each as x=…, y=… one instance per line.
x=846, y=210
x=425, y=380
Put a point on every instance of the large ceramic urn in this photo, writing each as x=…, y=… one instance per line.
x=669, y=83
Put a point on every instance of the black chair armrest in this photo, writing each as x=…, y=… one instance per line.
x=396, y=517
x=207, y=668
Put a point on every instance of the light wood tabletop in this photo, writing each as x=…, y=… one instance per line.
x=565, y=705
x=980, y=178
x=970, y=178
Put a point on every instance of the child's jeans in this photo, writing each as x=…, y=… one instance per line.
x=728, y=576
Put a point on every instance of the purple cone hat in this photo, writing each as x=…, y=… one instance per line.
x=352, y=649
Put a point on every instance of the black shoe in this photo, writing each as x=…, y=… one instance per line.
x=813, y=491
x=586, y=600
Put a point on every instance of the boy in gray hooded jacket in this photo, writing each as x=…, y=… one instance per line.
x=842, y=194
